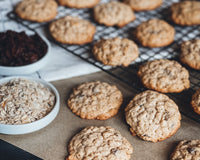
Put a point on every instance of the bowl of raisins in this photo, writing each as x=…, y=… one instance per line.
x=21, y=53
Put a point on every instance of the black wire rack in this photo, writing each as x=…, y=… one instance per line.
x=129, y=74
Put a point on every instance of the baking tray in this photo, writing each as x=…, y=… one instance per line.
x=129, y=74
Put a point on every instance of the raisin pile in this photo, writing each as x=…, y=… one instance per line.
x=18, y=49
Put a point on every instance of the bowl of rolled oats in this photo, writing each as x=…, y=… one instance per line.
x=26, y=105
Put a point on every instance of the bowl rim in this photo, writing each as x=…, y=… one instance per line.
x=34, y=63
x=46, y=84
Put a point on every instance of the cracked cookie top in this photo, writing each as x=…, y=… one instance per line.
x=37, y=10
x=72, y=30
x=113, y=13
x=143, y=5
x=78, y=3
x=190, y=53
x=155, y=33
x=104, y=143
x=186, y=13
x=152, y=116
x=164, y=76
x=187, y=149
x=195, y=102
x=115, y=51
x=95, y=100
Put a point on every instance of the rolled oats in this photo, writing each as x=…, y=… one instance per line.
x=24, y=101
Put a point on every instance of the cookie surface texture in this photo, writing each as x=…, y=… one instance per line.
x=103, y=143
x=165, y=76
x=154, y=33
x=152, y=116
x=190, y=53
x=78, y=3
x=113, y=13
x=186, y=13
x=72, y=30
x=37, y=10
x=115, y=51
x=195, y=102
x=143, y=5
x=187, y=150
x=95, y=100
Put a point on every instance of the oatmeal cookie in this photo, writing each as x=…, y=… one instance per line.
x=164, y=76
x=186, y=13
x=154, y=33
x=103, y=143
x=190, y=53
x=95, y=100
x=78, y=3
x=195, y=103
x=115, y=51
x=113, y=13
x=152, y=116
x=187, y=150
x=35, y=10
x=72, y=30
x=144, y=5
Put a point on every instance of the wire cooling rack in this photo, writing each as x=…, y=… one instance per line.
x=129, y=74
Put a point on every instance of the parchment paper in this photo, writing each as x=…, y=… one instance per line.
x=50, y=143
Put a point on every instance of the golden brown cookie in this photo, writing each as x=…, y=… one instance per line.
x=190, y=53
x=95, y=100
x=187, y=150
x=195, y=103
x=164, y=76
x=72, y=30
x=115, y=51
x=78, y=3
x=154, y=33
x=186, y=13
x=37, y=10
x=144, y=5
x=113, y=13
x=99, y=143
x=153, y=116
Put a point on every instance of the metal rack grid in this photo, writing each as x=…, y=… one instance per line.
x=129, y=74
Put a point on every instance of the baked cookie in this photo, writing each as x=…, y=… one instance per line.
x=100, y=143
x=115, y=51
x=72, y=30
x=95, y=100
x=190, y=53
x=154, y=33
x=35, y=10
x=113, y=13
x=152, y=116
x=78, y=3
x=187, y=150
x=195, y=103
x=144, y=5
x=186, y=13
x=164, y=76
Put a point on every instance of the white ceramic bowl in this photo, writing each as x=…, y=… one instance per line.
x=36, y=125
x=30, y=68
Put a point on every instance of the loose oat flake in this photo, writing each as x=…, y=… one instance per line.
x=24, y=101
